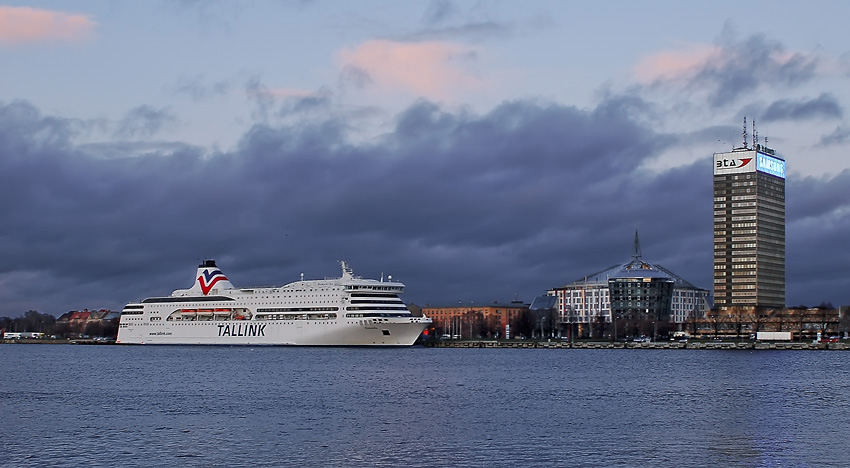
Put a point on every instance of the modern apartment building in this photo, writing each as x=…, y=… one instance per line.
x=589, y=297
x=749, y=227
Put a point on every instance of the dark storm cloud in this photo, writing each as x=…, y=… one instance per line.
x=825, y=106
x=144, y=121
x=839, y=136
x=818, y=245
x=26, y=132
x=742, y=67
x=457, y=205
x=447, y=199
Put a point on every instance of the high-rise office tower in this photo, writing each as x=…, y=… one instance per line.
x=749, y=227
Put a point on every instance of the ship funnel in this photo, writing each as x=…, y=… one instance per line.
x=209, y=277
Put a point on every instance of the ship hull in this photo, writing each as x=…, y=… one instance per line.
x=259, y=333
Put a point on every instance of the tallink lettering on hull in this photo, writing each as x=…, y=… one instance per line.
x=242, y=330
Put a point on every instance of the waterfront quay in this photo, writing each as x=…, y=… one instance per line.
x=558, y=344
x=77, y=341
x=718, y=345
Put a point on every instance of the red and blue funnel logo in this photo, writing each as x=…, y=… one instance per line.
x=209, y=279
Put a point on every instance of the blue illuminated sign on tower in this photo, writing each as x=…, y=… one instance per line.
x=770, y=165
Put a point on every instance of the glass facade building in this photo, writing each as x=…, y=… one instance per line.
x=749, y=228
x=641, y=290
x=588, y=298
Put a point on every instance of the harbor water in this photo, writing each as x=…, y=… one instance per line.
x=66, y=405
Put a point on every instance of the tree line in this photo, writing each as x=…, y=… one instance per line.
x=738, y=322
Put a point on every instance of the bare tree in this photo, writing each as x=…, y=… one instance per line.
x=94, y=328
x=826, y=316
x=600, y=323
x=554, y=322
x=523, y=324
x=757, y=318
x=715, y=319
x=844, y=323
x=571, y=320
x=30, y=321
x=737, y=314
x=692, y=319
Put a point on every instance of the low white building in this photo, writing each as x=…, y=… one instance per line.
x=20, y=335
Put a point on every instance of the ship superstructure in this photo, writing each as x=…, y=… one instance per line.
x=344, y=311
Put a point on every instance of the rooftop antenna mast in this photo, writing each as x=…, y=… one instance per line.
x=636, y=253
x=755, y=134
x=745, y=131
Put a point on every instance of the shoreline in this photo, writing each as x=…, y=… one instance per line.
x=705, y=345
x=51, y=341
x=534, y=344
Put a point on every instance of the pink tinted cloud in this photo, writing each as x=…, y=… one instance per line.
x=20, y=25
x=431, y=69
x=671, y=65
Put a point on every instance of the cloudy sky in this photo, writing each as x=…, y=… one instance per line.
x=478, y=151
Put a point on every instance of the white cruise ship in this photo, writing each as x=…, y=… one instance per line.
x=345, y=311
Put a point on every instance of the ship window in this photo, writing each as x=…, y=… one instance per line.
x=385, y=332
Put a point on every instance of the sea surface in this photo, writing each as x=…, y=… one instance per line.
x=73, y=405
